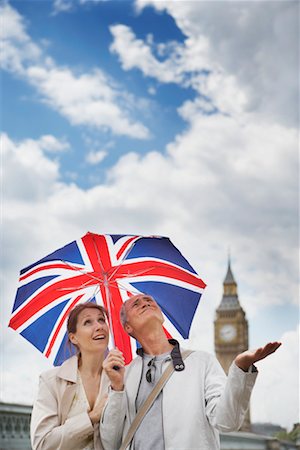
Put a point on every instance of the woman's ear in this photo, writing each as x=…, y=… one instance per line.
x=73, y=339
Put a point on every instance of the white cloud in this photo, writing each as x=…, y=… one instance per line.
x=278, y=384
x=248, y=50
x=28, y=175
x=87, y=99
x=62, y=6
x=52, y=144
x=90, y=99
x=135, y=52
x=17, y=48
x=91, y=1
x=96, y=157
x=187, y=65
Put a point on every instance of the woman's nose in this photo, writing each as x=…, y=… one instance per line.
x=98, y=325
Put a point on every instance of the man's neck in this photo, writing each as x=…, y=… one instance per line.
x=155, y=343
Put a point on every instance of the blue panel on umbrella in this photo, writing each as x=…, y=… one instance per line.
x=68, y=253
x=39, y=331
x=160, y=247
x=24, y=292
x=177, y=303
x=116, y=237
x=66, y=350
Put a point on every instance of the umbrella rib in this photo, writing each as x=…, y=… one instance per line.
x=141, y=272
x=123, y=288
x=123, y=260
x=83, y=272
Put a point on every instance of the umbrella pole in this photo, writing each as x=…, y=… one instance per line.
x=108, y=297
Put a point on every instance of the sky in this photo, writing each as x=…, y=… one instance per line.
x=168, y=118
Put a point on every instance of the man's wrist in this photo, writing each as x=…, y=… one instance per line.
x=250, y=369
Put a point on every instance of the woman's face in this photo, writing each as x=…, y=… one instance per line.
x=92, y=331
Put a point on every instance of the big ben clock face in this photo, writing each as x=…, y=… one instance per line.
x=227, y=333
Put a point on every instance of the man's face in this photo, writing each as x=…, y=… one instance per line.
x=140, y=309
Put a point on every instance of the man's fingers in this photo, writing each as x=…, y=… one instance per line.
x=272, y=347
x=267, y=350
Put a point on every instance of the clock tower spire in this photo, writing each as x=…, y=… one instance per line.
x=231, y=328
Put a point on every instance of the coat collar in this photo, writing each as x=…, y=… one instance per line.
x=177, y=361
x=68, y=370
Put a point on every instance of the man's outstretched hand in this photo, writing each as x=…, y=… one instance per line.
x=249, y=357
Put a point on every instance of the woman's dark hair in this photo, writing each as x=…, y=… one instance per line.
x=73, y=316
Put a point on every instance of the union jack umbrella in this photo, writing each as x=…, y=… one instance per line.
x=105, y=269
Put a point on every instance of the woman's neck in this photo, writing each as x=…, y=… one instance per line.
x=90, y=364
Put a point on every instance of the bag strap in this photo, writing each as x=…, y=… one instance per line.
x=149, y=401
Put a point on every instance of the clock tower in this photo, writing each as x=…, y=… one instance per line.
x=231, y=329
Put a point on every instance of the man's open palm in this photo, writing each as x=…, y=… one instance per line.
x=249, y=357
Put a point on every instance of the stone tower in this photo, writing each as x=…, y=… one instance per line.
x=231, y=329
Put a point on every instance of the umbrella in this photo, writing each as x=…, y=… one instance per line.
x=105, y=269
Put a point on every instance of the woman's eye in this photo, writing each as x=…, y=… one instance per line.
x=86, y=322
x=101, y=320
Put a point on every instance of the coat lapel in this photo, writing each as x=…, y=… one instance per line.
x=66, y=400
x=68, y=372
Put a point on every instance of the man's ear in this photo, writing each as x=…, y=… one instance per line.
x=128, y=329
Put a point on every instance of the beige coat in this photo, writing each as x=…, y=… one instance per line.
x=50, y=428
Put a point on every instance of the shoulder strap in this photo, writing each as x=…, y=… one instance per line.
x=149, y=401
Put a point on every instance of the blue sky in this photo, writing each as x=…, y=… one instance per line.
x=66, y=40
x=168, y=118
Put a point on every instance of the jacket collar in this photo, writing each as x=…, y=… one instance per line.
x=175, y=355
x=68, y=370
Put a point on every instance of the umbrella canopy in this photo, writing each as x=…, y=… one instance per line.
x=105, y=269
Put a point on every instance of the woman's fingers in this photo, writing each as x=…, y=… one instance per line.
x=114, y=365
x=114, y=359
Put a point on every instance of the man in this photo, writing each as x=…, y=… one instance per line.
x=197, y=401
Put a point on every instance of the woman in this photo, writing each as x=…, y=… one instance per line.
x=71, y=397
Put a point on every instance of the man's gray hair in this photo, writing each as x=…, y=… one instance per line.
x=123, y=315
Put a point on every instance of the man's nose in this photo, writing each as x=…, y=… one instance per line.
x=146, y=302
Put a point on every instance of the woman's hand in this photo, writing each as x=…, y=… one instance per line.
x=95, y=414
x=114, y=366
